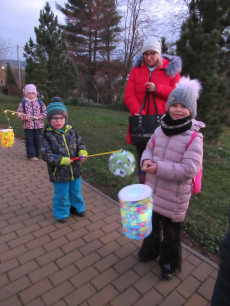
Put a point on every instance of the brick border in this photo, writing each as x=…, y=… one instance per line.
x=208, y=261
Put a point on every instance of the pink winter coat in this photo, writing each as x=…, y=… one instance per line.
x=172, y=183
x=32, y=108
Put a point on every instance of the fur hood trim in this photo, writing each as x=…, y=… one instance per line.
x=174, y=67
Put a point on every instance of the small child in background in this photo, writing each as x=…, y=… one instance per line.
x=170, y=166
x=61, y=143
x=31, y=106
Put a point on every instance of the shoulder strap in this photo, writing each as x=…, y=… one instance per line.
x=147, y=94
x=153, y=141
x=23, y=106
x=193, y=136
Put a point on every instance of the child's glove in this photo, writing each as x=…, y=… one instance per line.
x=83, y=154
x=65, y=161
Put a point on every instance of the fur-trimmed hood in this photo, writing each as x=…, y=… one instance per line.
x=174, y=66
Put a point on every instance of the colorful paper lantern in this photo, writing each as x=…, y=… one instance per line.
x=7, y=138
x=136, y=203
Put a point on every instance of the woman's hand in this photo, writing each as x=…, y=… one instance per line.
x=151, y=86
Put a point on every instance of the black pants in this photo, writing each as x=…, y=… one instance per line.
x=140, y=150
x=33, y=142
x=170, y=248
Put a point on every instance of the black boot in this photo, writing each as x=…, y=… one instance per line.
x=166, y=272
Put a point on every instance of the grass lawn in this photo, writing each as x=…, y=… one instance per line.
x=105, y=130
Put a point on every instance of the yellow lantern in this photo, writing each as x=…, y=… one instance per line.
x=7, y=138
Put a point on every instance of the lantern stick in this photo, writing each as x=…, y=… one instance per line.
x=77, y=158
x=20, y=113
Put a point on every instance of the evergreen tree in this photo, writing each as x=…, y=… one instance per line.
x=91, y=27
x=201, y=46
x=10, y=78
x=164, y=48
x=109, y=68
x=48, y=65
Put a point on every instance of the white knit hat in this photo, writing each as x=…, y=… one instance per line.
x=152, y=44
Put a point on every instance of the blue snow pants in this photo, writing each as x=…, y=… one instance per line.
x=67, y=194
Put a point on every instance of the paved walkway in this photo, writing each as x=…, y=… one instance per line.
x=86, y=261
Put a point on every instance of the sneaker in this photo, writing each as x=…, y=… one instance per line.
x=63, y=220
x=81, y=214
x=166, y=272
x=74, y=211
x=33, y=159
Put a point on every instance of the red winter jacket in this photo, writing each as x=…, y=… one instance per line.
x=165, y=77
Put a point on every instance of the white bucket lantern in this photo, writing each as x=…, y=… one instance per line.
x=136, y=203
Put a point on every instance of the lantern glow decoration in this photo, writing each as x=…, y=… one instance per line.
x=7, y=138
x=136, y=204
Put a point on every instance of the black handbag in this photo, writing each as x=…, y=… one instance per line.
x=142, y=127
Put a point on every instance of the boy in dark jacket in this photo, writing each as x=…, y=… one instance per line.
x=61, y=143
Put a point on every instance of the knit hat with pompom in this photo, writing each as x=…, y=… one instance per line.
x=186, y=92
x=56, y=107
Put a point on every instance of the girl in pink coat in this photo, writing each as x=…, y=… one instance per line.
x=32, y=112
x=170, y=169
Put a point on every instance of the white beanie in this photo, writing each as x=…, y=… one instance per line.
x=152, y=44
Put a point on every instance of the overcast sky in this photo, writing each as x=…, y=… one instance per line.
x=18, y=19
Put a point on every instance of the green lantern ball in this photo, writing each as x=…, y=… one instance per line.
x=122, y=163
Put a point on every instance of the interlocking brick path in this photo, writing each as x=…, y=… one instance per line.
x=86, y=261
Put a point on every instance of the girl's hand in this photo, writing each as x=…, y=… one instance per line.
x=146, y=163
x=27, y=117
x=82, y=159
x=152, y=169
x=151, y=86
x=40, y=117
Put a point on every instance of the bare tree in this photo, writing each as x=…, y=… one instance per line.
x=4, y=49
x=140, y=18
x=176, y=12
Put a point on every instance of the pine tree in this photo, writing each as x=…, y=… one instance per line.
x=48, y=65
x=109, y=68
x=201, y=46
x=10, y=78
x=164, y=48
x=81, y=28
x=91, y=27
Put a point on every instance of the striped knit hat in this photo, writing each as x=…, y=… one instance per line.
x=56, y=107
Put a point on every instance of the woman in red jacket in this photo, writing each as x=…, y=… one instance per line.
x=155, y=72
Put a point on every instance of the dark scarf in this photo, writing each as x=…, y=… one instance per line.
x=172, y=127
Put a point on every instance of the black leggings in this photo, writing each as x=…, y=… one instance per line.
x=169, y=249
